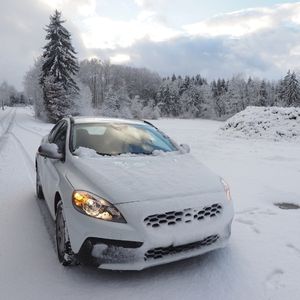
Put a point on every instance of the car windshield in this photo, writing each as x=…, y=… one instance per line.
x=119, y=138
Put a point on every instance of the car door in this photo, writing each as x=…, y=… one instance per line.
x=52, y=166
x=41, y=159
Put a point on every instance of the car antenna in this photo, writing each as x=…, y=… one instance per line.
x=149, y=123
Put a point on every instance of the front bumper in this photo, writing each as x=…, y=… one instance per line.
x=136, y=245
x=112, y=257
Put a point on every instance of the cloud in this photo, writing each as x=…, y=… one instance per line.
x=119, y=58
x=22, y=37
x=234, y=24
x=103, y=32
x=72, y=7
x=151, y=4
x=20, y=29
x=261, y=41
x=245, y=22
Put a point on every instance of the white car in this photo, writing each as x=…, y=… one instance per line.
x=125, y=196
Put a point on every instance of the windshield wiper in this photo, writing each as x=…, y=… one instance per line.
x=108, y=154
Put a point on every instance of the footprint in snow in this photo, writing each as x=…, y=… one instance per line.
x=267, y=212
x=274, y=279
x=256, y=210
x=249, y=223
x=247, y=211
x=294, y=248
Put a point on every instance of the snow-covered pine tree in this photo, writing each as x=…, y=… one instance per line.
x=184, y=85
x=292, y=91
x=283, y=86
x=263, y=95
x=163, y=98
x=234, y=99
x=59, y=63
x=57, y=102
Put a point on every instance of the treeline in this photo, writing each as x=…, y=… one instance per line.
x=122, y=91
x=58, y=85
x=10, y=96
x=195, y=97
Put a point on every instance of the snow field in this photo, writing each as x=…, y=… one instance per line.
x=262, y=260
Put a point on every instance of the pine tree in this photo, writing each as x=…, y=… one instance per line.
x=57, y=103
x=218, y=91
x=59, y=63
x=185, y=85
x=263, y=95
x=289, y=90
x=283, y=86
x=292, y=93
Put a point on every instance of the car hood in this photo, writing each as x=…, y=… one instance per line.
x=125, y=179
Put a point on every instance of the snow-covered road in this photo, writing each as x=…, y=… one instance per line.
x=261, y=262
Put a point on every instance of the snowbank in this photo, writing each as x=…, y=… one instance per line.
x=275, y=123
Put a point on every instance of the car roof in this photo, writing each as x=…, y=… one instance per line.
x=86, y=119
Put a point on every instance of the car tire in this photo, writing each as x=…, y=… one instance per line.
x=65, y=253
x=38, y=186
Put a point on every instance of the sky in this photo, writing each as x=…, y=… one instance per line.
x=214, y=38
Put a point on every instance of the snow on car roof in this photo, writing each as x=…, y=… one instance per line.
x=80, y=120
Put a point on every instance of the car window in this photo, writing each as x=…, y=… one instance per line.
x=117, y=138
x=54, y=131
x=60, y=137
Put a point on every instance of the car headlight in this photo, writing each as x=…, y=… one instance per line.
x=226, y=189
x=96, y=207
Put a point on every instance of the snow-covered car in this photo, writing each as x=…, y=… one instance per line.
x=125, y=196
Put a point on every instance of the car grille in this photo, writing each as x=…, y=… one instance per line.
x=186, y=216
x=161, y=252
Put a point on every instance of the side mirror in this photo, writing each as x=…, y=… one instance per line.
x=50, y=151
x=185, y=148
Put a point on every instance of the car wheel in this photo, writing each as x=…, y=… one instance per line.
x=65, y=253
x=38, y=186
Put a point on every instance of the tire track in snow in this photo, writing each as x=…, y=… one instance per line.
x=4, y=117
x=28, y=129
x=29, y=163
x=4, y=136
x=30, y=166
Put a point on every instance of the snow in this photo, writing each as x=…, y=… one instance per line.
x=91, y=153
x=86, y=152
x=262, y=260
x=274, y=123
x=135, y=177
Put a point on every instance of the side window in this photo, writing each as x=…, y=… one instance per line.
x=60, y=138
x=54, y=131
